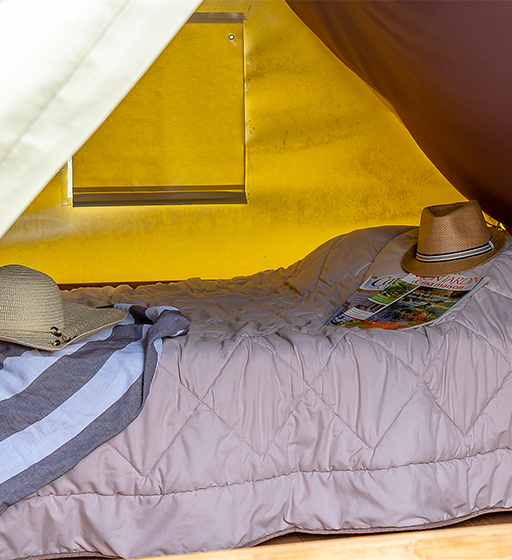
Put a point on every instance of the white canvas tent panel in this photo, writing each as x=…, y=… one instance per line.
x=64, y=68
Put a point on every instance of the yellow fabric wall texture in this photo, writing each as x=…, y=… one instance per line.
x=324, y=157
x=181, y=128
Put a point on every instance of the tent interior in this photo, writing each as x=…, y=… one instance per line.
x=145, y=142
x=314, y=132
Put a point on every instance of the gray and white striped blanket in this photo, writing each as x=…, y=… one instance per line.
x=56, y=407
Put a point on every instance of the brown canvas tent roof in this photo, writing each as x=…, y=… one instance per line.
x=446, y=68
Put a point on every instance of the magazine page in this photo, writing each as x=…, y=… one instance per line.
x=411, y=301
x=369, y=287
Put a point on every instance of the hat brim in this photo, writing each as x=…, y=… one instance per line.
x=81, y=321
x=412, y=264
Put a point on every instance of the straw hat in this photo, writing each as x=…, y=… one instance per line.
x=452, y=238
x=33, y=314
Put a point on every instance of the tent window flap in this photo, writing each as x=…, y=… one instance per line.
x=179, y=136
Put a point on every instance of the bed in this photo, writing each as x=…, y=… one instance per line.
x=263, y=421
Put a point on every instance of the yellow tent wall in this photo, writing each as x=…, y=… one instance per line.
x=324, y=157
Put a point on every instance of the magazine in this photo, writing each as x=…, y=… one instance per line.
x=406, y=302
x=368, y=288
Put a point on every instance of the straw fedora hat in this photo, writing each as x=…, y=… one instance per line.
x=33, y=314
x=452, y=238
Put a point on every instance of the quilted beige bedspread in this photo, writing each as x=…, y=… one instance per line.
x=262, y=421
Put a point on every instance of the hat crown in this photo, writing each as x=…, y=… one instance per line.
x=29, y=300
x=450, y=228
x=452, y=238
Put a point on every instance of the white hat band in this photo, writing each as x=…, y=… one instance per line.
x=443, y=257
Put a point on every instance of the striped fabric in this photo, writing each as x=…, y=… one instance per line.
x=56, y=407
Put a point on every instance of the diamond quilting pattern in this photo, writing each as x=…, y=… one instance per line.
x=463, y=378
x=413, y=435
x=306, y=354
x=255, y=394
x=194, y=456
x=197, y=371
x=489, y=303
x=365, y=397
x=495, y=418
x=317, y=440
x=171, y=407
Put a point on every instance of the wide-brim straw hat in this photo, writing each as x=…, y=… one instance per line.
x=452, y=238
x=32, y=312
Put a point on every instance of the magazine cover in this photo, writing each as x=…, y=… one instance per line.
x=409, y=302
x=369, y=287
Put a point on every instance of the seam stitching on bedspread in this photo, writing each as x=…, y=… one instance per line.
x=498, y=389
x=447, y=320
x=361, y=336
x=486, y=341
x=495, y=394
x=307, y=389
x=310, y=388
x=242, y=339
x=442, y=409
x=232, y=484
x=285, y=421
x=333, y=412
x=199, y=402
x=494, y=291
x=127, y=460
x=220, y=371
x=393, y=420
x=453, y=315
x=455, y=320
x=407, y=400
x=238, y=436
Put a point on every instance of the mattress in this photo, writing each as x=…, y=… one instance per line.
x=263, y=421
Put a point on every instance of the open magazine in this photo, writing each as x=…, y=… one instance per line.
x=404, y=301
